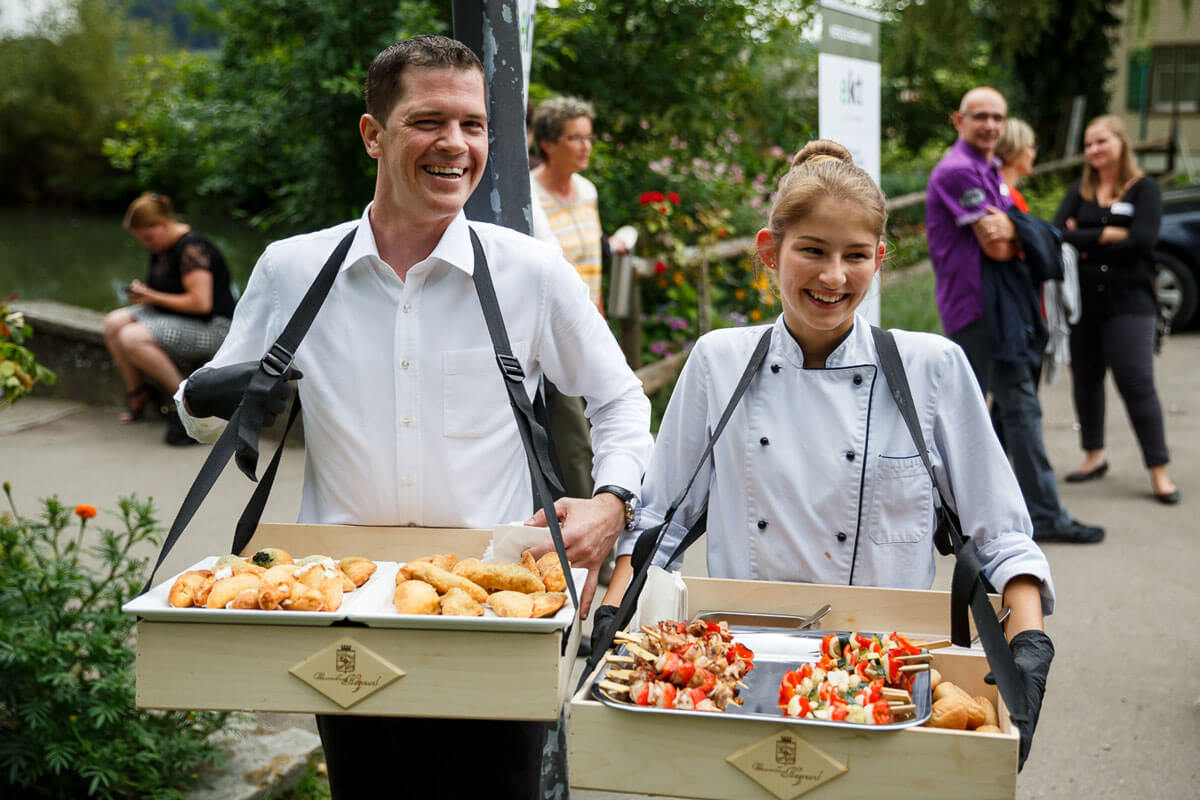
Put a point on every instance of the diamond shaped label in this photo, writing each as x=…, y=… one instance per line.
x=346, y=672
x=787, y=765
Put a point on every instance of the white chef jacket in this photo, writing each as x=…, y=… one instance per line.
x=816, y=477
x=406, y=419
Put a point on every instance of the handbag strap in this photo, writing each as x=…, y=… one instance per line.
x=241, y=433
x=968, y=587
x=546, y=485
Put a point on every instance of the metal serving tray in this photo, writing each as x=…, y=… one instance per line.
x=776, y=651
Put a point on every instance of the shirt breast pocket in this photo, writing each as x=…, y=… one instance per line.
x=901, y=501
x=474, y=400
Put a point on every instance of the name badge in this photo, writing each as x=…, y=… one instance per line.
x=1122, y=209
x=1004, y=189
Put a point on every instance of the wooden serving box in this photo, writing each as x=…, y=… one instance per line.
x=446, y=673
x=686, y=756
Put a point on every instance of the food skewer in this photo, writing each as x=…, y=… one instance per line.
x=920, y=658
x=936, y=644
x=616, y=659
x=904, y=710
x=915, y=668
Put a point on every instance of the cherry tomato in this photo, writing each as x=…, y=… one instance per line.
x=881, y=713
x=668, y=696
x=839, y=713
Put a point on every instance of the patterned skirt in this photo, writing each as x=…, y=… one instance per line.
x=187, y=340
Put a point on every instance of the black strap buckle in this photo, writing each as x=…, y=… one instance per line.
x=511, y=367
x=277, y=360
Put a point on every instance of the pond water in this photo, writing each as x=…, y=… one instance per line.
x=85, y=259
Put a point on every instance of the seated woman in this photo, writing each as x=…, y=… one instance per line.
x=816, y=477
x=180, y=312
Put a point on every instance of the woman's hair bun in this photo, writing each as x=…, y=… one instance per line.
x=819, y=150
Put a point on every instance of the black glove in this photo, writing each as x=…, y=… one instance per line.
x=217, y=391
x=1033, y=651
x=604, y=625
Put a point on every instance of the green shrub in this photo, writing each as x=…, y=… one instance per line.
x=68, y=724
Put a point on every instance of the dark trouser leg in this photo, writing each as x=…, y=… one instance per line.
x=976, y=343
x=1087, y=381
x=1129, y=351
x=432, y=757
x=1020, y=414
x=573, y=442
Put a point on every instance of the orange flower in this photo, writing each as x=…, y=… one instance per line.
x=85, y=511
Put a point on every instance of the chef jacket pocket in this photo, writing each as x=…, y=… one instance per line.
x=901, y=501
x=475, y=402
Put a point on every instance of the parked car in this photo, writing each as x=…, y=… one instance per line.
x=1177, y=257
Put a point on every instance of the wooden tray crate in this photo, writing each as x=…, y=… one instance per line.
x=685, y=756
x=447, y=673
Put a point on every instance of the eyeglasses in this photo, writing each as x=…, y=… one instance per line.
x=577, y=138
x=983, y=116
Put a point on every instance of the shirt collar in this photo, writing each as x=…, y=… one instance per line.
x=454, y=248
x=855, y=350
x=971, y=153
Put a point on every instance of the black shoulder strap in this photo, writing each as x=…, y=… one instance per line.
x=651, y=539
x=241, y=434
x=546, y=485
x=968, y=587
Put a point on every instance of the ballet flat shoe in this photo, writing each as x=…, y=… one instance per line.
x=1167, y=498
x=1088, y=475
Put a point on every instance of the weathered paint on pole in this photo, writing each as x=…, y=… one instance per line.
x=492, y=29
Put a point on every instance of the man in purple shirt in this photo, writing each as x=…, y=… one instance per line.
x=965, y=217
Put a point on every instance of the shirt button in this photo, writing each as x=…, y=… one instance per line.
x=403, y=365
x=857, y=380
x=406, y=421
x=764, y=441
x=1104, y=267
x=406, y=308
x=775, y=368
x=841, y=537
x=849, y=455
x=762, y=524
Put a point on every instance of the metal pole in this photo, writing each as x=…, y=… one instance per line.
x=492, y=29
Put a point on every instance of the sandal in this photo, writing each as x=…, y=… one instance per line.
x=135, y=410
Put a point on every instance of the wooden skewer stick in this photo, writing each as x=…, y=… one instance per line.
x=920, y=658
x=741, y=684
x=936, y=644
x=622, y=674
x=903, y=710
x=613, y=687
x=888, y=694
x=626, y=636
x=645, y=654
x=615, y=659
x=915, y=668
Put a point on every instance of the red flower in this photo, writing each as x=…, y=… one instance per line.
x=85, y=511
x=644, y=199
x=674, y=198
x=660, y=267
x=663, y=209
x=722, y=233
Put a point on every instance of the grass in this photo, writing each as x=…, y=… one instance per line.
x=908, y=302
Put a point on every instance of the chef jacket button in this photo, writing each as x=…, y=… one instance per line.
x=406, y=308
x=1104, y=267
x=762, y=524
x=764, y=441
x=857, y=379
x=404, y=365
x=775, y=368
x=849, y=455
x=841, y=537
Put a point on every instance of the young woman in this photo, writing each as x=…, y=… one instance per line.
x=816, y=478
x=180, y=312
x=1112, y=215
x=1017, y=150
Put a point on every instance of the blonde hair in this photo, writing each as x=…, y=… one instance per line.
x=1128, y=171
x=1017, y=136
x=149, y=209
x=824, y=170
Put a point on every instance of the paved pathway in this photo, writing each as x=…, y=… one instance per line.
x=1122, y=714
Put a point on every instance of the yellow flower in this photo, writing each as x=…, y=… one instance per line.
x=740, y=294
x=678, y=276
x=755, y=314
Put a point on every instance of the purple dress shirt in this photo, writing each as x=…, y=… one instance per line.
x=961, y=187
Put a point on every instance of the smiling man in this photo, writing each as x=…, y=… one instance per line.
x=406, y=418
x=966, y=219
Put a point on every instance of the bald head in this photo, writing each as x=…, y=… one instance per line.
x=980, y=119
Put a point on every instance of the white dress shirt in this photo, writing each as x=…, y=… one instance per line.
x=816, y=477
x=406, y=419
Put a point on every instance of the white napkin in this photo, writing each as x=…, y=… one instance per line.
x=512, y=539
x=664, y=596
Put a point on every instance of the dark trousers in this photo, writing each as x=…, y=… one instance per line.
x=418, y=757
x=1017, y=414
x=1123, y=344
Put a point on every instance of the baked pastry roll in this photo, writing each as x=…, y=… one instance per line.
x=551, y=571
x=443, y=581
x=415, y=597
x=500, y=576
x=511, y=604
x=191, y=589
x=457, y=603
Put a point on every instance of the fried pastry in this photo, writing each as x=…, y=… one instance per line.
x=191, y=589
x=528, y=562
x=357, y=569
x=457, y=603
x=283, y=574
x=949, y=712
x=547, y=603
x=272, y=595
x=500, y=576
x=331, y=593
x=303, y=598
x=443, y=580
x=270, y=556
x=247, y=599
x=415, y=597
x=551, y=571
x=990, y=717
x=511, y=604
x=444, y=560
x=226, y=589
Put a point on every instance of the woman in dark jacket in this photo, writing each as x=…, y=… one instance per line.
x=1112, y=215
